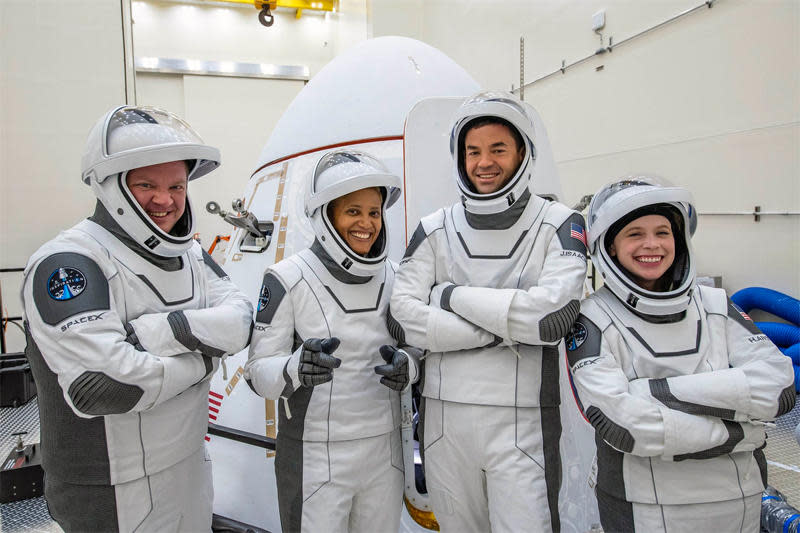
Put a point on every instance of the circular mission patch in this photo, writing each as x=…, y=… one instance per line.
x=576, y=336
x=263, y=298
x=65, y=283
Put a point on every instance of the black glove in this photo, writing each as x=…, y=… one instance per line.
x=132, y=338
x=395, y=372
x=316, y=362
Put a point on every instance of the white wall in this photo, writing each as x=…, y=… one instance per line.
x=230, y=33
x=352, y=25
x=61, y=67
x=233, y=33
x=710, y=101
x=397, y=17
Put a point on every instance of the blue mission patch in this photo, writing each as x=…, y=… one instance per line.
x=263, y=297
x=576, y=336
x=65, y=283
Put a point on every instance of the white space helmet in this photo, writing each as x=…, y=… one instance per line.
x=128, y=137
x=619, y=203
x=508, y=108
x=337, y=174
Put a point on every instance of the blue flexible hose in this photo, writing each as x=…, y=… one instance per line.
x=796, y=378
x=769, y=300
x=783, y=335
x=793, y=352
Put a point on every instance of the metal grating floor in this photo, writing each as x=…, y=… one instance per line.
x=26, y=516
x=12, y=420
x=783, y=456
x=31, y=516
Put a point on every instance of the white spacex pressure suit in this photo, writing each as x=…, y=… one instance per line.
x=676, y=402
x=123, y=425
x=505, y=287
x=339, y=463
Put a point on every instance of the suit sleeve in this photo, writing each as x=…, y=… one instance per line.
x=417, y=321
x=82, y=339
x=414, y=355
x=270, y=369
x=628, y=419
x=542, y=314
x=222, y=327
x=768, y=372
x=759, y=385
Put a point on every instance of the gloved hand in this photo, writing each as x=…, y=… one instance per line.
x=395, y=372
x=316, y=362
x=754, y=436
x=132, y=338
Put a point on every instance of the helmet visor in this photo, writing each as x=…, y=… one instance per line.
x=328, y=161
x=136, y=128
x=133, y=137
x=617, y=199
x=495, y=96
x=342, y=172
x=610, y=190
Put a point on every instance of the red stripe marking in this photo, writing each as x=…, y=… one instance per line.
x=215, y=402
x=572, y=388
x=214, y=394
x=337, y=145
x=212, y=417
x=208, y=438
x=18, y=462
x=213, y=409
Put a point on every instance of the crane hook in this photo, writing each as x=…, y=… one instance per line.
x=265, y=17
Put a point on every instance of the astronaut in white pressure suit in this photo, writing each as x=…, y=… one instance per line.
x=126, y=319
x=676, y=380
x=489, y=286
x=322, y=348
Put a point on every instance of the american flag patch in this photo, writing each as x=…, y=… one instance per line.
x=741, y=312
x=214, y=404
x=576, y=231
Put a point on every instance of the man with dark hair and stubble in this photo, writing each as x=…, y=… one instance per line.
x=489, y=286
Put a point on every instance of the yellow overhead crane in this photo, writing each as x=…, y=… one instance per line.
x=265, y=7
